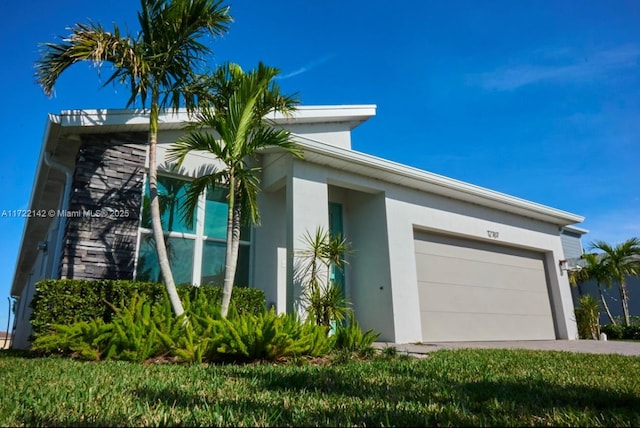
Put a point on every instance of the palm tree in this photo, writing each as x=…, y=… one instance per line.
x=237, y=114
x=158, y=63
x=324, y=299
x=621, y=261
x=596, y=270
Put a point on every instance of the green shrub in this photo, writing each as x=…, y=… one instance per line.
x=67, y=301
x=141, y=329
x=622, y=332
x=587, y=317
x=84, y=340
x=350, y=337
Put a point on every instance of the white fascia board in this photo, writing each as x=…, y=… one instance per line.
x=576, y=229
x=319, y=114
x=138, y=119
x=119, y=117
x=407, y=176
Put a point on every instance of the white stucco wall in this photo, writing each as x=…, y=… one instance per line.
x=381, y=218
x=307, y=198
x=408, y=210
x=40, y=270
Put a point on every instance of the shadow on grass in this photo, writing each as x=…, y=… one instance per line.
x=329, y=396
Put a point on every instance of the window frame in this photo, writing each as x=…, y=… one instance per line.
x=198, y=236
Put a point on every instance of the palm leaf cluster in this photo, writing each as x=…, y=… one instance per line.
x=162, y=57
x=160, y=62
x=233, y=127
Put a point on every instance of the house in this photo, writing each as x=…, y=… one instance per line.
x=435, y=259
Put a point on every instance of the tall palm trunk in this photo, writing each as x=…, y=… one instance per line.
x=604, y=304
x=233, y=244
x=624, y=297
x=156, y=225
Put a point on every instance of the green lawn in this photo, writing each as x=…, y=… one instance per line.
x=463, y=387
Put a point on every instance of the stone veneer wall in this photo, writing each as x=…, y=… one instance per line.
x=102, y=232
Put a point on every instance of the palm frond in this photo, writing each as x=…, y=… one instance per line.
x=194, y=142
x=87, y=43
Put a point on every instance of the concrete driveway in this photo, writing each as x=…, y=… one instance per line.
x=585, y=346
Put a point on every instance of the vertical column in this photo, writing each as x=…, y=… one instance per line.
x=307, y=209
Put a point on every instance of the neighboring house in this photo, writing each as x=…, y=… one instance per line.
x=5, y=340
x=573, y=249
x=435, y=259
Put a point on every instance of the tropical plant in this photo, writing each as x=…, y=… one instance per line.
x=143, y=330
x=158, y=63
x=241, y=100
x=621, y=261
x=587, y=318
x=351, y=337
x=324, y=300
x=596, y=270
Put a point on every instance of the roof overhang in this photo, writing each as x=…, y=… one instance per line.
x=392, y=172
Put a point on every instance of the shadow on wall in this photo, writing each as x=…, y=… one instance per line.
x=104, y=211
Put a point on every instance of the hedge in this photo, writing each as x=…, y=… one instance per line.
x=621, y=332
x=66, y=301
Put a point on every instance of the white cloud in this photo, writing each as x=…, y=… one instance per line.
x=568, y=67
x=307, y=67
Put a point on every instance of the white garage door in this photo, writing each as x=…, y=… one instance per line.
x=479, y=291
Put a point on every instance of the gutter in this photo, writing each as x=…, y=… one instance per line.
x=64, y=205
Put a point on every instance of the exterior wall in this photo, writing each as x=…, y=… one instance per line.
x=381, y=220
x=335, y=134
x=571, y=245
x=612, y=297
x=269, y=246
x=41, y=269
x=368, y=275
x=307, y=198
x=101, y=236
x=408, y=210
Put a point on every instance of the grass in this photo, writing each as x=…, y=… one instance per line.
x=449, y=388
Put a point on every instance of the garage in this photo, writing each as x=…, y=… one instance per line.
x=480, y=291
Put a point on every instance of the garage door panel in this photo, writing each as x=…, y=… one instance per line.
x=484, y=327
x=464, y=299
x=448, y=270
x=472, y=290
x=498, y=256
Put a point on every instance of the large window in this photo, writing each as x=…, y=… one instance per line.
x=196, y=253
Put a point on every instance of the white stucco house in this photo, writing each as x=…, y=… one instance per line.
x=435, y=259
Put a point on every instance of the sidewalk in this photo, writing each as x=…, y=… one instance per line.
x=585, y=346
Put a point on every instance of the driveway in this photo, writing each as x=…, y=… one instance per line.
x=585, y=346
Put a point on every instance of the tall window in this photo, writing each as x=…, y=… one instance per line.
x=197, y=253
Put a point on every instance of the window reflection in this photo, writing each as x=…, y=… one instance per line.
x=209, y=241
x=180, y=253
x=171, y=198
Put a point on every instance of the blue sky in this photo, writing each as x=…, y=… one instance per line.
x=536, y=99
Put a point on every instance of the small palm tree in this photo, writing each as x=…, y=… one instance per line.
x=595, y=270
x=237, y=114
x=325, y=301
x=621, y=261
x=159, y=63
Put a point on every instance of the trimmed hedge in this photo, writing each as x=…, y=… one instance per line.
x=66, y=301
x=621, y=332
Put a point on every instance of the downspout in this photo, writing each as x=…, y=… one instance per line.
x=64, y=205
